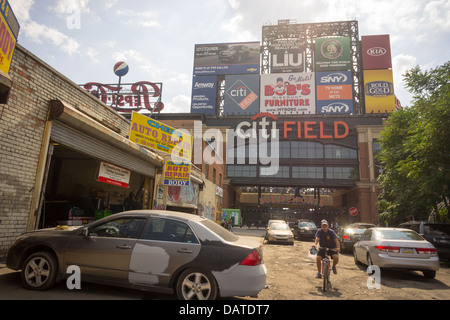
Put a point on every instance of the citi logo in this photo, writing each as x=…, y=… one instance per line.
x=376, y=51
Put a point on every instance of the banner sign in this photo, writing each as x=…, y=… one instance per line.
x=241, y=95
x=334, y=92
x=204, y=89
x=332, y=53
x=9, y=30
x=177, y=174
x=159, y=136
x=227, y=58
x=288, y=93
x=379, y=91
x=287, y=56
x=114, y=175
x=376, y=52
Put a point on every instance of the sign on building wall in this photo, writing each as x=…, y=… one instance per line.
x=204, y=89
x=241, y=95
x=159, y=136
x=227, y=58
x=288, y=93
x=379, y=91
x=177, y=174
x=9, y=30
x=332, y=53
x=334, y=92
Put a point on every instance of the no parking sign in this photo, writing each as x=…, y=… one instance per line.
x=353, y=211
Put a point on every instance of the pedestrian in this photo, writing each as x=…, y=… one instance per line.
x=326, y=238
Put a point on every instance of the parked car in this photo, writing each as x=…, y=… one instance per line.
x=351, y=234
x=396, y=248
x=305, y=229
x=237, y=53
x=269, y=223
x=436, y=233
x=169, y=252
x=280, y=232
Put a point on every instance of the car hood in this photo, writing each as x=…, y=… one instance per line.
x=281, y=232
x=56, y=230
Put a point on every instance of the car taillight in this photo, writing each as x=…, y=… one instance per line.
x=345, y=236
x=431, y=251
x=253, y=259
x=388, y=249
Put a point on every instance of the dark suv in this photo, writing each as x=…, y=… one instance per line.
x=236, y=53
x=436, y=233
x=305, y=229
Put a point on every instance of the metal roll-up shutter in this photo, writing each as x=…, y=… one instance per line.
x=98, y=149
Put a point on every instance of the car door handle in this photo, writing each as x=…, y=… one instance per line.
x=123, y=246
x=184, y=250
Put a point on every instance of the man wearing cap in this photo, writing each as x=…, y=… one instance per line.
x=326, y=238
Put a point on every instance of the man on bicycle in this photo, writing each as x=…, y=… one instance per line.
x=326, y=238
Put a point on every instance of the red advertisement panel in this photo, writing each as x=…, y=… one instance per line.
x=376, y=52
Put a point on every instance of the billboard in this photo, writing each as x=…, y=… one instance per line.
x=332, y=53
x=334, y=91
x=176, y=174
x=241, y=95
x=159, y=136
x=379, y=91
x=204, y=89
x=227, y=58
x=288, y=93
x=376, y=52
x=287, y=55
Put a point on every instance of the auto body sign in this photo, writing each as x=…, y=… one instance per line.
x=288, y=93
x=177, y=174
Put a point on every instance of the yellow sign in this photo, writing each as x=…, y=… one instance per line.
x=379, y=91
x=177, y=174
x=7, y=37
x=158, y=136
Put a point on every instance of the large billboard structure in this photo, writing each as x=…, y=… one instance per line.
x=329, y=54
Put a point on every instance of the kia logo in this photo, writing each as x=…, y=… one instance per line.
x=376, y=51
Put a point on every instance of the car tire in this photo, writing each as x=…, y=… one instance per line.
x=429, y=274
x=196, y=284
x=39, y=271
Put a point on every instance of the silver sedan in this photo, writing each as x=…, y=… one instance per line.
x=159, y=251
x=396, y=248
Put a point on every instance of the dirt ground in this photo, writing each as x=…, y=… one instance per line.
x=290, y=276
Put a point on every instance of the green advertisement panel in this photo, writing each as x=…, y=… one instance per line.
x=332, y=54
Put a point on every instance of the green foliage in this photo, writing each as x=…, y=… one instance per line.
x=416, y=150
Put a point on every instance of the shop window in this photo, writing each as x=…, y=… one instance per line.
x=343, y=173
x=338, y=152
x=306, y=150
x=120, y=228
x=169, y=230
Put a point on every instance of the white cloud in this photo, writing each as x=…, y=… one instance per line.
x=179, y=103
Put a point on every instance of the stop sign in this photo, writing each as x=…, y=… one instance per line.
x=353, y=211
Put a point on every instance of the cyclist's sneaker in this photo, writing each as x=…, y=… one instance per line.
x=318, y=275
x=334, y=270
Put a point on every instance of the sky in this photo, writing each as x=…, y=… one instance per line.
x=83, y=39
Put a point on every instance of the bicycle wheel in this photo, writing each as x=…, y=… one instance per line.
x=325, y=274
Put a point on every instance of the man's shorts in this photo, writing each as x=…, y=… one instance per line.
x=331, y=253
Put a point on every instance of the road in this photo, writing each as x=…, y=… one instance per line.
x=290, y=277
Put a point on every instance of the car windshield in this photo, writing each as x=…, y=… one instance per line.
x=307, y=225
x=220, y=231
x=280, y=226
x=437, y=229
x=394, y=234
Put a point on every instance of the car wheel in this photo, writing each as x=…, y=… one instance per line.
x=39, y=271
x=429, y=274
x=196, y=284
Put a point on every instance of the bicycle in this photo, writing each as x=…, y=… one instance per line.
x=326, y=269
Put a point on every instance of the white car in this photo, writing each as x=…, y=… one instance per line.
x=397, y=248
x=280, y=232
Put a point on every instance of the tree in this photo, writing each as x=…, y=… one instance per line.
x=416, y=150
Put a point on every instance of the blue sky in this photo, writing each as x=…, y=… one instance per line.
x=157, y=38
